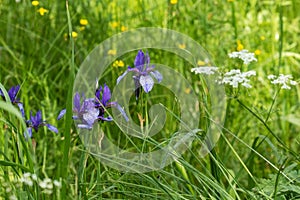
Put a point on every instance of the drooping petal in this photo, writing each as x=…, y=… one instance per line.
x=157, y=75
x=20, y=105
x=61, y=114
x=121, y=77
x=85, y=126
x=147, y=83
x=139, y=60
x=106, y=95
x=122, y=111
x=51, y=128
x=91, y=116
x=108, y=119
x=76, y=102
x=28, y=133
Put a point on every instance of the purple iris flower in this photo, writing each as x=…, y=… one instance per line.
x=143, y=73
x=36, y=121
x=12, y=93
x=93, y=109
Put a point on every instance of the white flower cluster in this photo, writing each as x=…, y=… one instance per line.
x=284, y=80
x=47, y=185
x=235, y=77
x=244, y=55
x=204, y=70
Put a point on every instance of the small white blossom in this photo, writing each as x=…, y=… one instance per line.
x=235, y=77
x=204, y=70
x=34, y=177
x=26, y=179
x=46, y=183
x=284, y=80
x=244, y=55
x=13, y=197
x=57, y=183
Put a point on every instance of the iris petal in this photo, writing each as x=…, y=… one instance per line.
x=157, y=75
x=61, y=114
x=52, y=128
x=147, y=83
x=121, y=77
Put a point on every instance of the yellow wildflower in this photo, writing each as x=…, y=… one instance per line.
x=239, y=46
x=257, y=52
x=173, y=2
x=112, y=52
x=35, y=3
x=200, y=63
x=124, y=28
x=74, y=34
x=83, y=22
x=187, y=90
x=81, y=28
x=262, y=38
x=181, y=46
x=114, y=24
x=118, y=63
x=42, y=11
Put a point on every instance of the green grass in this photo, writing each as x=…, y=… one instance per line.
x=256, y=156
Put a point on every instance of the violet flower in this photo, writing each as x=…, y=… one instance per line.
x=143, y=74
x=93, y=109
x=12, y=93
x=35, y=122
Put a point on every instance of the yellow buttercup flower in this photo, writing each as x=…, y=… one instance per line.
x=257, y=52
x=201, y=63
x=240, y=46
x=83, y=22
x=181, y=46
x=262, y=38
x=124, y=28
x=112, y=52
x=187, y=90
x=118, y=63
x=35, y=3
x=173, y=1
x=114, y=24
x=42, y=11
x=74, y=34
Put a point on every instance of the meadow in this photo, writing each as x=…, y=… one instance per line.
x=254, y=56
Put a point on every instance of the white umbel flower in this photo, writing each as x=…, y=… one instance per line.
x=236, y=77
x=244, y=55
x=284, y=80
x=204, y=70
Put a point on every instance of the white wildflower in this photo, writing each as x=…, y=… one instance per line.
x=283, y=80
x=57, y=183
x=244, y=55
x=46, y=184
x=204, y=70
x=26, y=179
x=13, y=197
x=34, y=177
x=235, y=77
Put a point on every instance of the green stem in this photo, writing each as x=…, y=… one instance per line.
x=269, y=129
x=273, y=102
x=68, y=121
